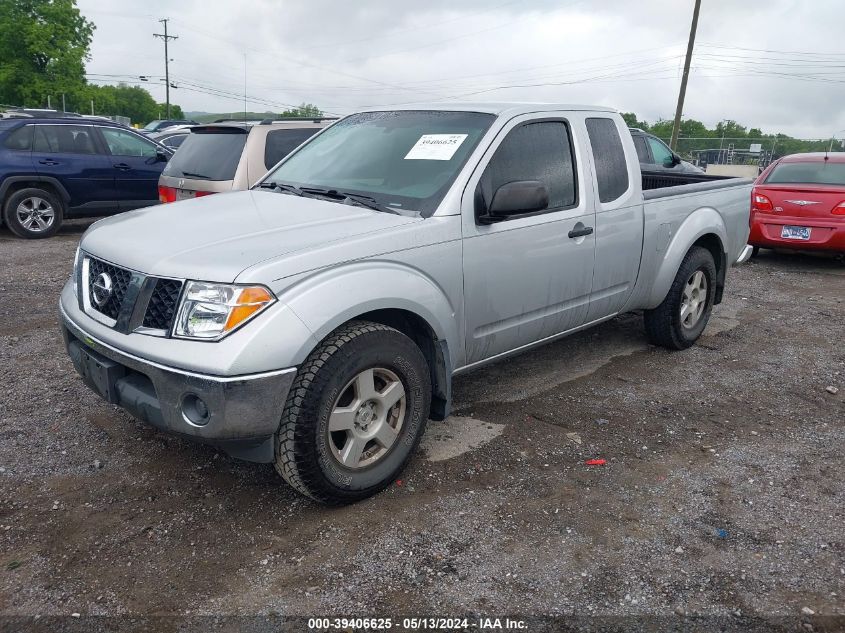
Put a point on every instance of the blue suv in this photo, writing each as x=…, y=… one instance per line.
x=53, y=168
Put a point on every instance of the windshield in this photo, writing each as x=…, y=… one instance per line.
x=403, y=159
x=152, y=125
x=207, y=156
x=816, y=173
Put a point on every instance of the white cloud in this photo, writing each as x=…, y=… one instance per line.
x=628, y=55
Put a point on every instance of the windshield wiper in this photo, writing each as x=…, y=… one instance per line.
x=191, y=174
x=281, y=187
x=357, y=198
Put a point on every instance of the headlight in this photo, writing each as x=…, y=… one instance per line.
x=211, y=311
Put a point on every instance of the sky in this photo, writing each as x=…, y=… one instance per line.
x=778, y=65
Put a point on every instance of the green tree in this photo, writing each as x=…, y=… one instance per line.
x=304, y=110
x=43, y=47
x=175, y=111
x=632, y=121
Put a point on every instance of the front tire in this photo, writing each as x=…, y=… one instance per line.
x=682, y=316
x=33, y=213
x=355, y=413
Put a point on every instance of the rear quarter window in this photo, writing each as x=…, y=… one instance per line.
x=642, y=149
x=280, y=143
x=609, y=158
x=208, y=156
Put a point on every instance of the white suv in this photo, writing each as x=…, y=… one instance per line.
x=228, y=156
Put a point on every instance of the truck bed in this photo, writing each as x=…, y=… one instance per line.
x=661, y=184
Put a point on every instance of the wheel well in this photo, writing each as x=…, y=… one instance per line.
x=434, y=350
x=26, y=184
x=712, y=243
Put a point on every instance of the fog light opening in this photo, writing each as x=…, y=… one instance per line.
x=195, y=410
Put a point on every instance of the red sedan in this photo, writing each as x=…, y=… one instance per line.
x=798, y=202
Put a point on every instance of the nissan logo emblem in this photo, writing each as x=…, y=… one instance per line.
x=101, y=289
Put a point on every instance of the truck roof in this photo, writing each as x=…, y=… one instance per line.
x=493, y=107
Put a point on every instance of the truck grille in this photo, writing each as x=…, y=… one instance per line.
x=136, y=302
x=120, y=278
x=162, y=305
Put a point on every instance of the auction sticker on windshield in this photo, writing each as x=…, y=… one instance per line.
x=436, y=147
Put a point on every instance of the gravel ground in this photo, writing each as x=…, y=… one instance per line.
x=722, y=495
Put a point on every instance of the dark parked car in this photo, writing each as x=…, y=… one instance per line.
x=655, y=155
x=172, y=138
x=52, y=168
x=160, y=125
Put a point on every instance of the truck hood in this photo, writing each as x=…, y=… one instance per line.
x=215, y=238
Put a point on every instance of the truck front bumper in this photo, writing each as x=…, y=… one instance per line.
x=240, y=414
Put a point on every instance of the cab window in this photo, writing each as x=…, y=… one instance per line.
x=534, y=151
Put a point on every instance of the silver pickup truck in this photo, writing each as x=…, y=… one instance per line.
x=316, y=321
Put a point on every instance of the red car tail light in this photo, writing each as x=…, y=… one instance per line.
x=200, y=194
x=839, y=209
x=166, y=194
x=759, y=202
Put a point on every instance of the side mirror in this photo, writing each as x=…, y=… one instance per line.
x=517, y=198
x=162, y=156
x=672, y=161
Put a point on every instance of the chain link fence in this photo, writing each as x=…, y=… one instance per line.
x=757, y=151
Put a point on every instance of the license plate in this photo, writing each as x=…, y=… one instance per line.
x=185, y=194
x=795, y=233
x=99, y=372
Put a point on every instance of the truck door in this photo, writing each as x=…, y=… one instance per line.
x=527, y=277
x=619, y=217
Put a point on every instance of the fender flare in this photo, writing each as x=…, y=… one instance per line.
x=701, y=222
x=331, y=297
x=11, y=180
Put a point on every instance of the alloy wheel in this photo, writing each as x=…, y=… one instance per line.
x=366, y=418
x=35, y=214
x=694, y=299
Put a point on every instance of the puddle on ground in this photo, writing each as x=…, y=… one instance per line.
x=457, y=435
x=724, y=318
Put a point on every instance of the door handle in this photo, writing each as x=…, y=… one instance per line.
x=122, y=167
x=587, y=230
x=48, y=162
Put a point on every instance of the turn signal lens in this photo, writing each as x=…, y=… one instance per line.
x=211, y=311
x=839, y=209
x=250, y=301
x=759, y=202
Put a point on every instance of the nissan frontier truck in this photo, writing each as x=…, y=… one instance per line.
x=316, y=321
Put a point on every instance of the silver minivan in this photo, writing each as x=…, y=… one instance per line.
x=230, y=156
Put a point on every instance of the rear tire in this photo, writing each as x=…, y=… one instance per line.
x=682, y=316
x=340, y=405
x=33, y=213
x=755, y=250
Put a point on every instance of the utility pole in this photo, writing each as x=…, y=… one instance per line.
x=244, y=86
x=164, y=36
x=683, y=93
